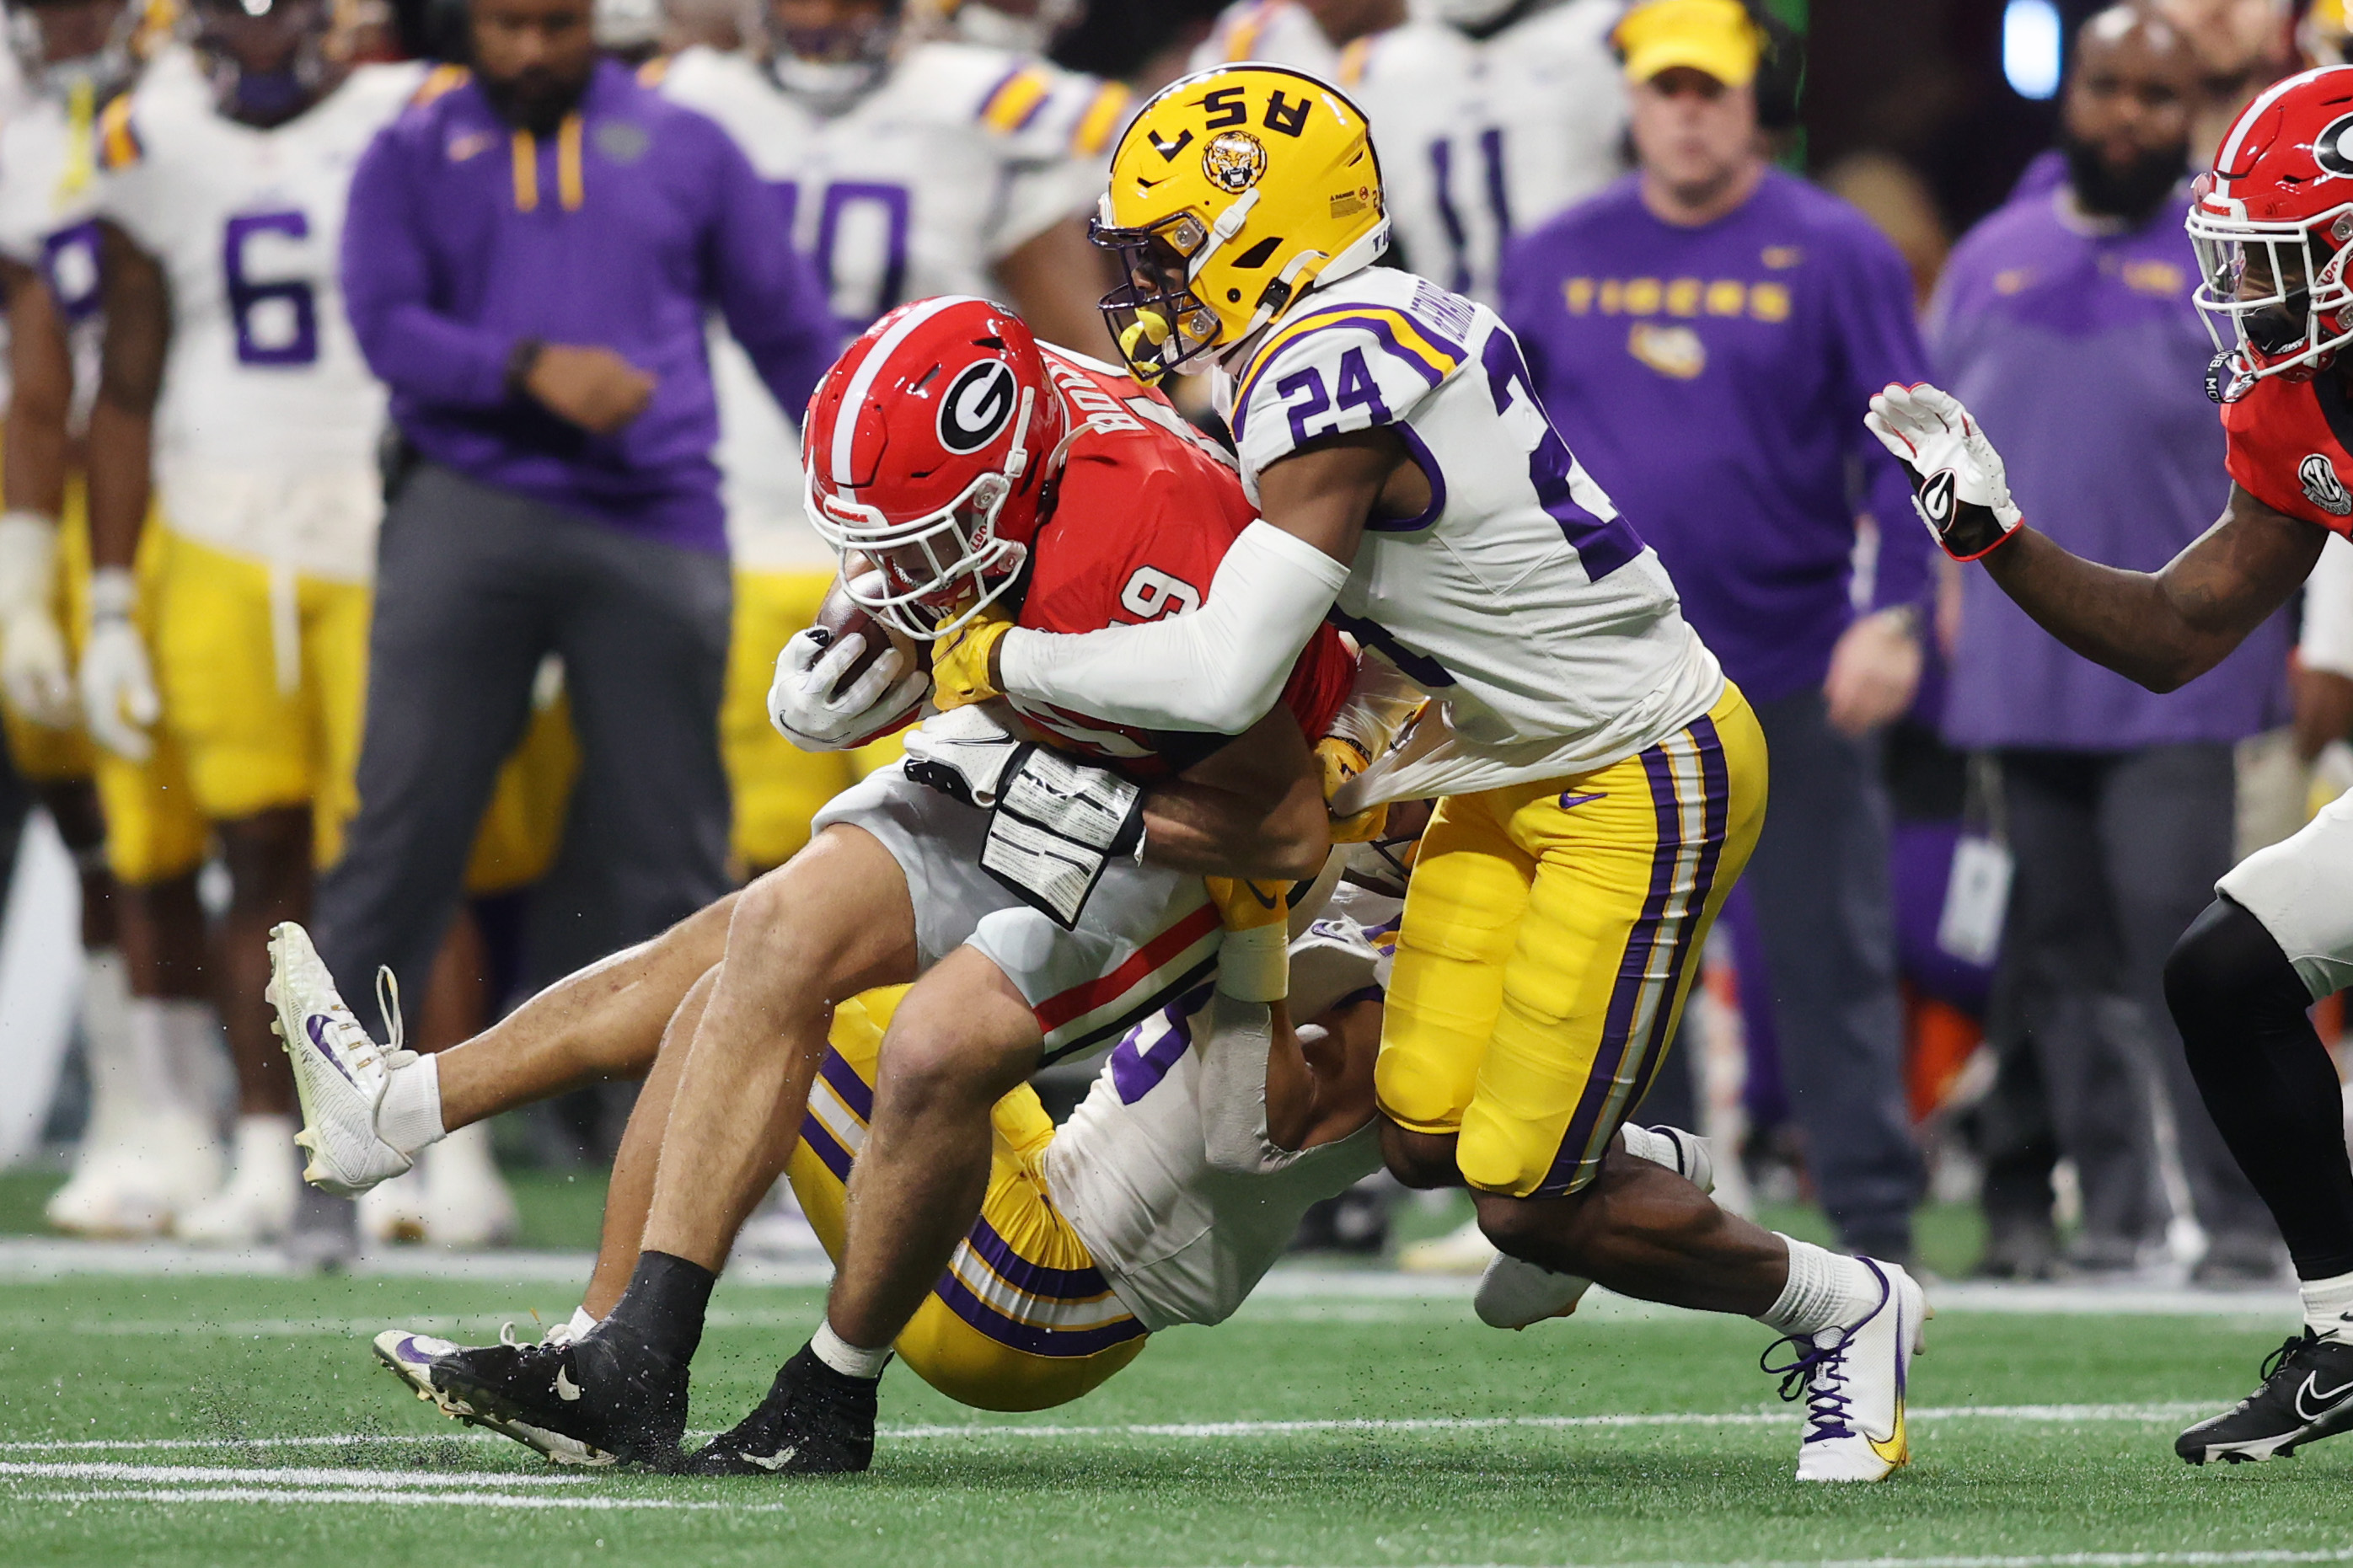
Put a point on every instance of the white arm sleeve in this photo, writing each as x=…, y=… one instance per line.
x=2328, y=642
x=1233, y=1089
x=1218, y=668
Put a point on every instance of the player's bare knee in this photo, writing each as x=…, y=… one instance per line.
x=1554, y=1232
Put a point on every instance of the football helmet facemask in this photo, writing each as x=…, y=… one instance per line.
x=830, y=53
x=2270, y=224
x=1232, y=193
x=925, y=452
x=68, y=47
x=268, y=60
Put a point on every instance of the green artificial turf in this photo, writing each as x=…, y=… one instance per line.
x=1358, y=1429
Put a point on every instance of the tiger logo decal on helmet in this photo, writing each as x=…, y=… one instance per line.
x=1233, y=191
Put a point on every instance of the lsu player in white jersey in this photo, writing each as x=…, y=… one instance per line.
x=229, y=364
x=155, y=1061
x=908, y=166
x=1494, y=115
x=1602, y=784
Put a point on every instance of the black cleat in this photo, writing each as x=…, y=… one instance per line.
x=2306, y=1393
x=815, y=1421
x=604, y=1392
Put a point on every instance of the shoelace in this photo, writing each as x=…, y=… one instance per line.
x=1819, y=1373
x=557, y=1334
x=2288, y=1351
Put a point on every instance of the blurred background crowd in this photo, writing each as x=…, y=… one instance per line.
x=1716, y=226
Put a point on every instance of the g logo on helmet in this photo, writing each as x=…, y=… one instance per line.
x=2333, y=148
x=979, y=403
x=1936, y=499
x=1234, y=161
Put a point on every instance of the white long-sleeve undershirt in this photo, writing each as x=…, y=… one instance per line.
x=1221, y=668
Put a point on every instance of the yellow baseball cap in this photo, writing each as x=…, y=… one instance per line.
x=1711, y=36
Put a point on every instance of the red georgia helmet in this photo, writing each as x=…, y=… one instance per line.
x=925, y=449
x=2270, y=223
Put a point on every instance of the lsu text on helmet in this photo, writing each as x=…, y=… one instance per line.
x=2270, y=224
x=927, y=449
x=1233, y=191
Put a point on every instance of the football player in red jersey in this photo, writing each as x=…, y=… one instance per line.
x=963, y=463
x=2272, y=225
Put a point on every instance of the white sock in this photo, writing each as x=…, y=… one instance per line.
x=264, y=1152
x=2329, y=1306
x=142, y=1075
x=409, y=1116
x=1826, y=1290
x=203, y=1076
x=846, y=1358
x=582, y=1324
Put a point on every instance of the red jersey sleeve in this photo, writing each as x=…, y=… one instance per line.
x=1138, y=534
x=2281, y=449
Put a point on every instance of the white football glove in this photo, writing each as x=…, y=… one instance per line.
x=963, y=753
x=34, y=669
x=118, y=686
x=874, y=704
x=1957, y=483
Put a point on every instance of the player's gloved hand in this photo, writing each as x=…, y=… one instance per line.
x=963, y=753
x=118, y=686
x=1255, y=963
x=1342, y=759
x=35, y=670
x=1958, y=487
x=874, y=704
x=963, y=661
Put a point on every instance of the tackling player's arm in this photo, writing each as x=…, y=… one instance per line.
x=137, y=302
x=1221, y=667
x=1254, y=808
x=1319, y=1078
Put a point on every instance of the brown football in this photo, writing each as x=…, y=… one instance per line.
x=840, y=615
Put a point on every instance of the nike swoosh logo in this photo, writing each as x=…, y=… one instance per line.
x=1897, y=1450
x=1568, y=802
x=2329, y=1398
x=775, y=1461
x=315, y=1026
x=565, y=1387
x=1263, y=901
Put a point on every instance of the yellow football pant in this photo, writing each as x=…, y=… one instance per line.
x=777, y=785
x=1551, y=933
x=264, y=682
x=1022, y=1319
x=153, y=830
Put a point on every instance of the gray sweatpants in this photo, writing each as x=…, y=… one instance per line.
x=474, y=587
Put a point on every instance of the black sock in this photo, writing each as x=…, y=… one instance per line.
x=664, y=1305
x=2267, y=1079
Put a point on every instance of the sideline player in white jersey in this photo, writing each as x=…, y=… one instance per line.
x=1602, y=783
x=229, y=364
x=908, y=167
x=155, y=1061
x=1494, y=115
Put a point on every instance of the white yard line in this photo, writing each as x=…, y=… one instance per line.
x=456, y=1499
x=307, y=1476
x=2055, y=1559
x=2064, y=1414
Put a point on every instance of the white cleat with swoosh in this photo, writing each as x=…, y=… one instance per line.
x=340, y=1071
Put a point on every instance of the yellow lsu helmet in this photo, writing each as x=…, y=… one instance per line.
x=1233, y=191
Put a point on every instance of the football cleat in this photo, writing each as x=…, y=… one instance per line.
x=2306, y=1393
x=815, y=1421
x=413, y=1357
x=1852, y=1379
x=1463, y=1250
x=604, y=1392
x=1514, y=1293
x=340, y=1073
